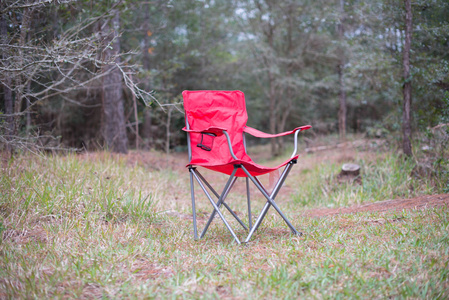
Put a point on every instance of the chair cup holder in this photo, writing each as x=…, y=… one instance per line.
x=207, y=141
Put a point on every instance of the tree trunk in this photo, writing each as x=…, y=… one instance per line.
x=28, y=110
x=20, y=88
x=407, y=87
x=272, y=114
x=287, y=99
x=114, y=130
x=145, y=44
x=342, y=104
x=7, y=93
x=283, y=119
x=136, y=117
x=167, y=130
x=272, y=95
x=341, y=83
x=9, y=107
x=146, y=133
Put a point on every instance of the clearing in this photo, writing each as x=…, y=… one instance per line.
x=99, y=225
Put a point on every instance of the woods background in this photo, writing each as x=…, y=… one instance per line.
x=109, y=74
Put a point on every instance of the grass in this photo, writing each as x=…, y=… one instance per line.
x=385, y=177
x=104, y=226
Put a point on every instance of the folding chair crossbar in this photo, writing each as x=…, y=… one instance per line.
x=275, y=190
x=270, y=199
x=220, y=202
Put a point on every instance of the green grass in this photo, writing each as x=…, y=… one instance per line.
x=385, y=177
x=100, y=226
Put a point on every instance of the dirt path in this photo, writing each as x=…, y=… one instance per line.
x=421, y=202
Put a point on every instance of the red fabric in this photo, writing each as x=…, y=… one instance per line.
x=213, y=112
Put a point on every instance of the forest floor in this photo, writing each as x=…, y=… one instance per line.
x=101, y=225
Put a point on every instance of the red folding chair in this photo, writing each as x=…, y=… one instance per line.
x=216, y=127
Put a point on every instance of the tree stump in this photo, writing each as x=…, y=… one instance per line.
x=350, y=170
x=350, y=173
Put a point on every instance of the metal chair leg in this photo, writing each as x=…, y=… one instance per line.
x=192, y=193
x=270, y=200
x=249, y=203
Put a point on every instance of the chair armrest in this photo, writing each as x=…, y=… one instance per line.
x=214, y=130
x=261, y=134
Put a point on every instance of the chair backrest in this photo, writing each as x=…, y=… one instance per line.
x=224, y=109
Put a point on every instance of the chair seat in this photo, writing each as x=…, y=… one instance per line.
x=253, y=168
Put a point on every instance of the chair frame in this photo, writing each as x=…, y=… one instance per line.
x=270, y=198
